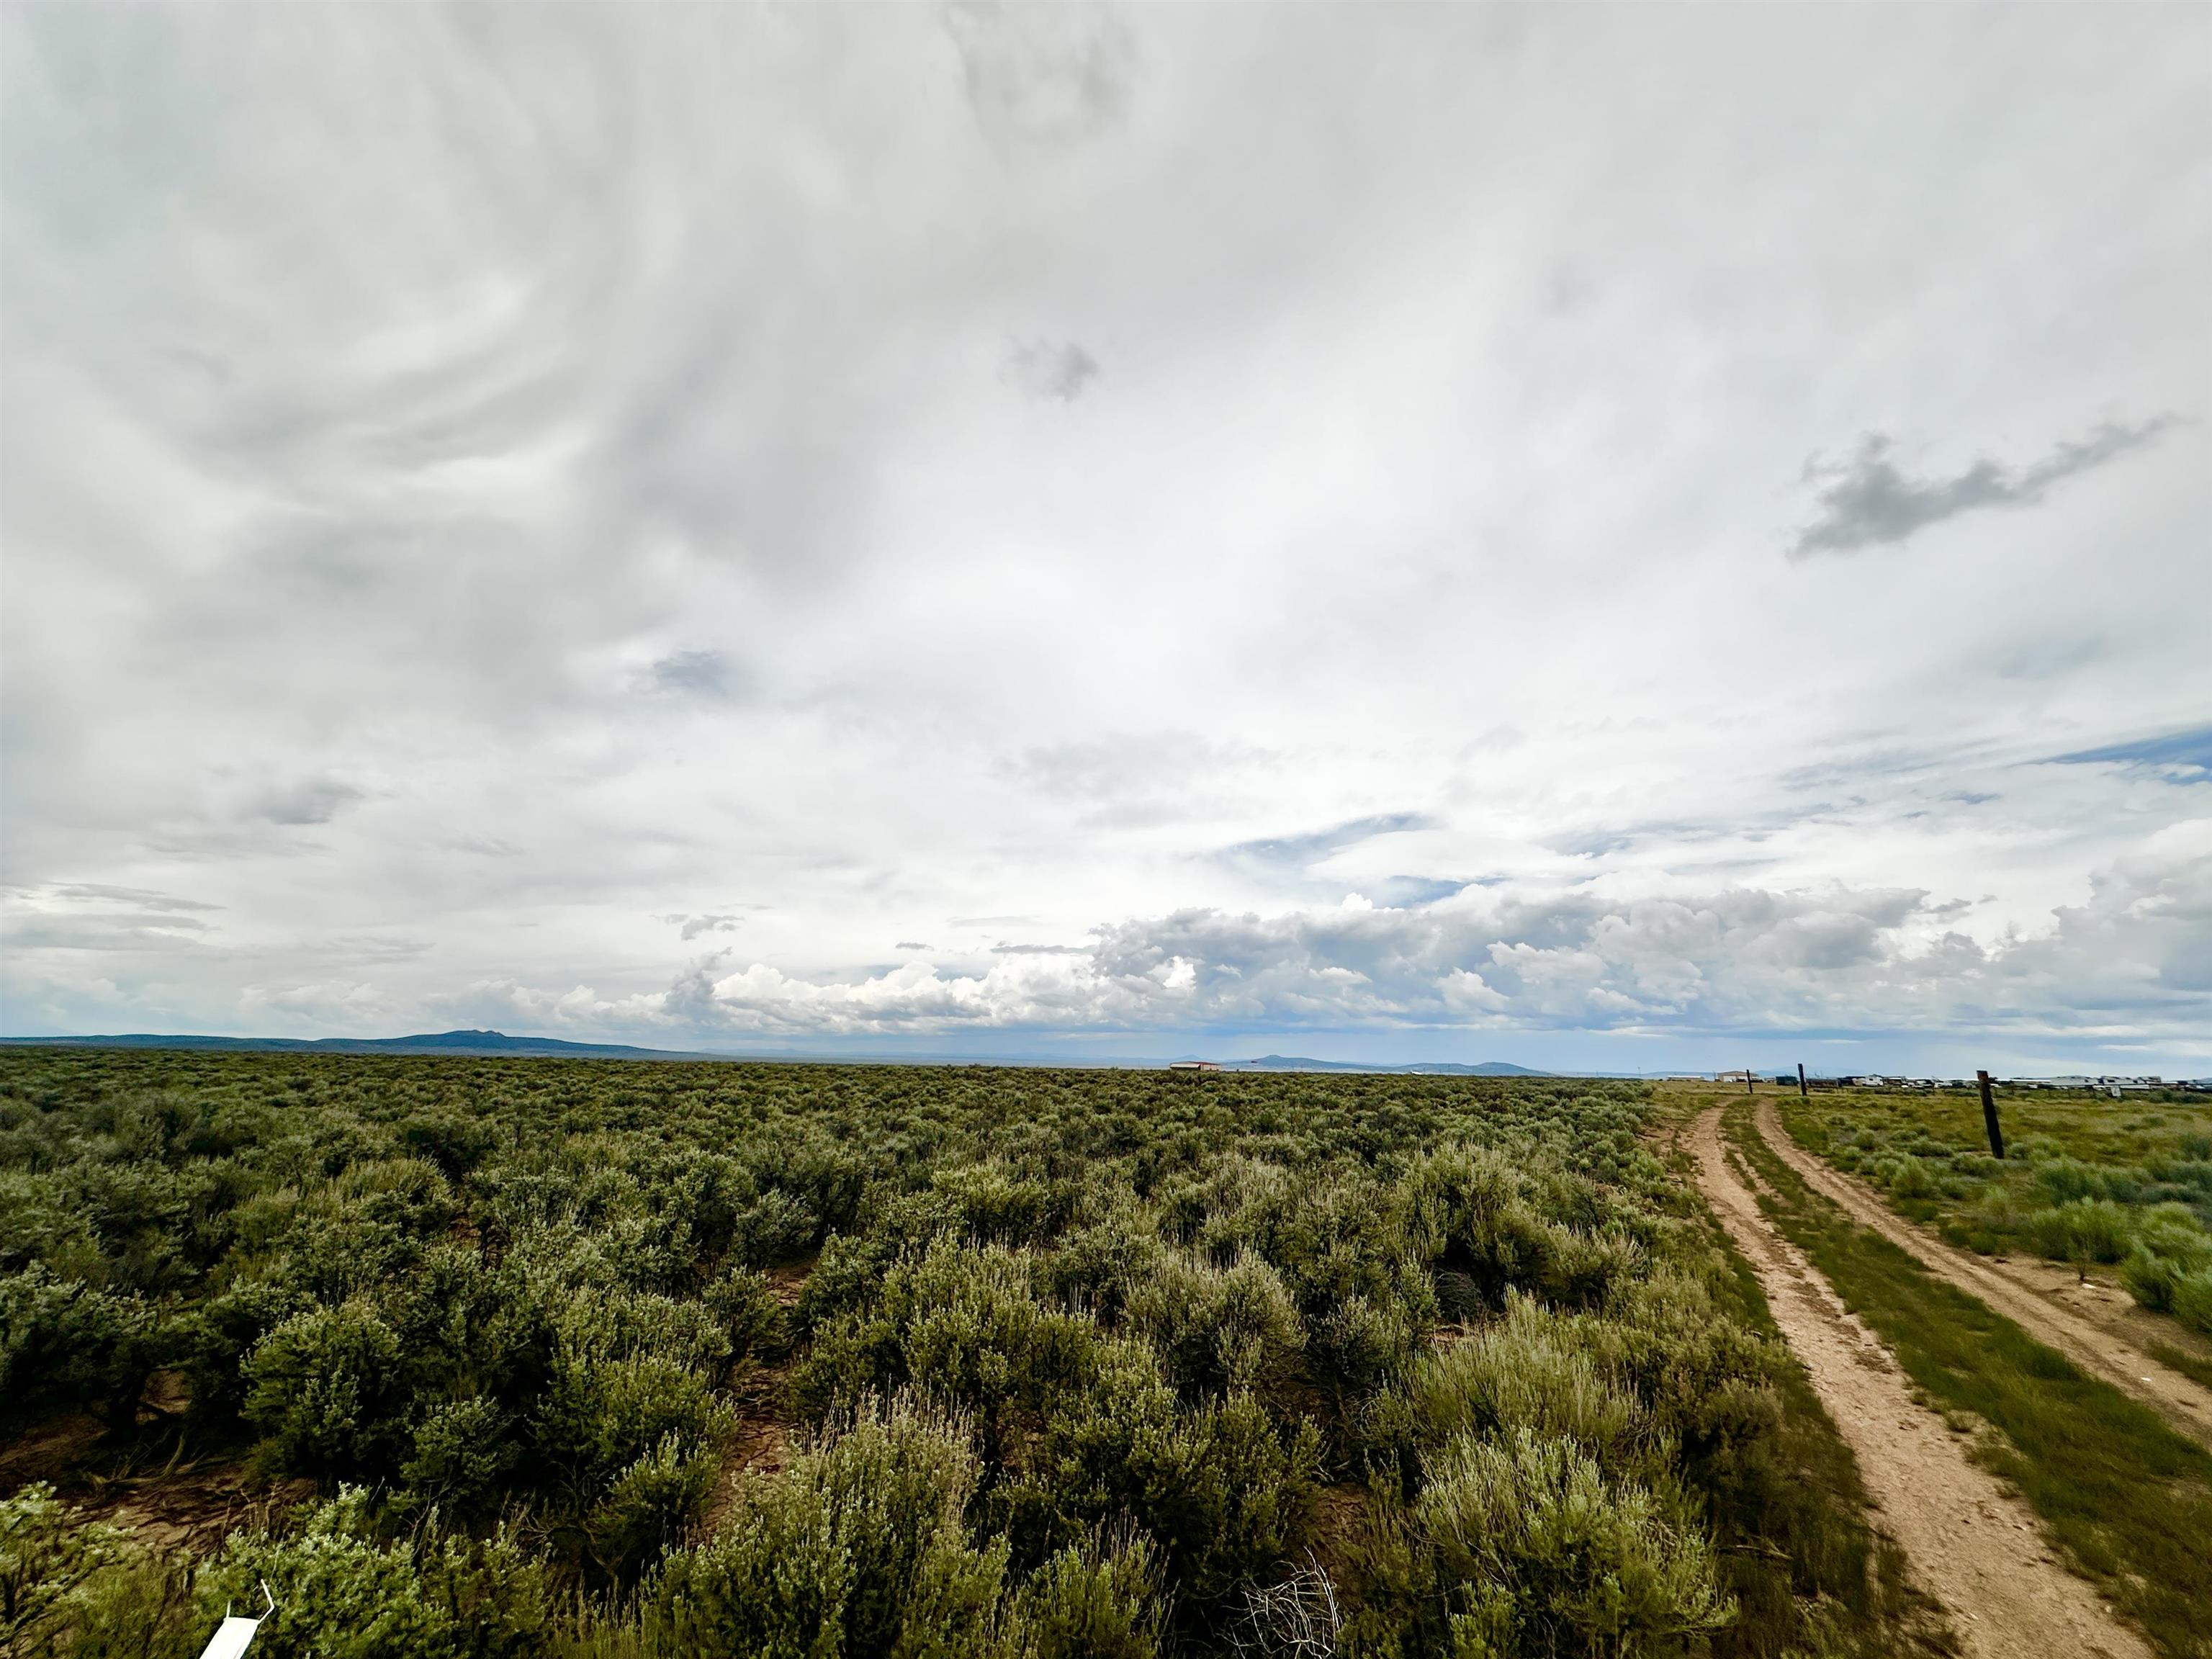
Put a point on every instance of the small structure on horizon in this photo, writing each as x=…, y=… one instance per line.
x=1193, y=1066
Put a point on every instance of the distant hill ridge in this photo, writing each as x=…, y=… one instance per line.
x=477, y=1043
x=1419, y=1068
x=490, y=1044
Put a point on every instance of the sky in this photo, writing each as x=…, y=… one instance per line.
x=1612, y=538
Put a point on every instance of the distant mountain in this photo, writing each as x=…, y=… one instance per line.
x=492, y=1043
x=1418, y=1068
x=479, y=1043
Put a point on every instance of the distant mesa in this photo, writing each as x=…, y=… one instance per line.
x=478, y=1043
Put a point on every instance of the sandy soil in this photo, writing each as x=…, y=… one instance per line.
x=1971, y=1544
x=764, y=1438
x=2090, y=1324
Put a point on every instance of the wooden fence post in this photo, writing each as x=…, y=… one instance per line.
x=1990, y=1117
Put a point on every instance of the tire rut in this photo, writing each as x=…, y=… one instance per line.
x=2184, y=1403
x=1971, y=1542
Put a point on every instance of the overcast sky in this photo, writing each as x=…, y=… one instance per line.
x=1616, y=537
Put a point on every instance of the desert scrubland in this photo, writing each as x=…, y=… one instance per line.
x=474, y=1357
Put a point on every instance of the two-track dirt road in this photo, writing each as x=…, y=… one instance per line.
x=2100, y=1346
x=1972, y=1545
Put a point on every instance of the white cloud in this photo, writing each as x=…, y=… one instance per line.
x=2132, y=961
x=478, y=484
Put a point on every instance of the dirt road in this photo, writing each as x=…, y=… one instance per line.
x=1971, y=1544
x=2092, y=1338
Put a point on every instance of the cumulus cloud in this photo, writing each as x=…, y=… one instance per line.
x=2137, y=956
x=1868, y=501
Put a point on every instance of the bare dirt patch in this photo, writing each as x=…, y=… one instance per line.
x=765, y=1430
x=2089, y=1323
x=1972, y=1543
x=170, y=1502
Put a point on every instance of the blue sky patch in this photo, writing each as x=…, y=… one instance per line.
x=2191, y=748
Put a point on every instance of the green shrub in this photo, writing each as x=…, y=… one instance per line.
x=2169, y=1247
x=1909, y=1177
x=2192, y=1299
x=49, y=1557
x=1537, y=1552
x=63, y=1342
x=996, y=1206
x=2082, y=1231
x=328, y=1390
x=1534, y=1368
x=455, y=1143
x=651, y=1507
x=776, y=1227
x=744, y=1306
x=461, y=1453
x=857, y=1548
x=1089, y=1601
x=598, y=1417
x=845, y=1280
x=2061, y=1180
x=1096, y=1266
x=1356, y=1346
x=961, y=1325
x=1216, y=1330
x=1223, y=1491
x=344, y=1591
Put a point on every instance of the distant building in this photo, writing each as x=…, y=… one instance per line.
x=1193, y=1066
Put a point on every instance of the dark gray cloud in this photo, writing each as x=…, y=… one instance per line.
x=1051, y=76
x=1868, y=501
x=699, y=674
x=1051, y=368
x=311, y=800
x=692, y=927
